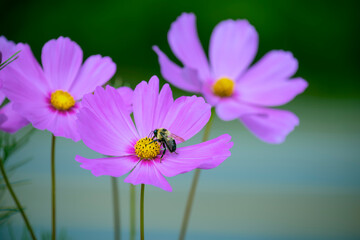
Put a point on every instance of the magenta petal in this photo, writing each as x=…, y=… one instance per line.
x=233, y=46
x=61, y=59
x=230, y=109
x=2, y=97
x=3, y=118
x=96, y=71
x=64, y=125
x=181, y=78
x=126, y=94
x=7, y=48
x=150, y=107
x=105, y=124
x=205, y=155
x=147, y=173
x=115, y=166
x=14, y=121
x=186, y=46
x=187, y=116
x=23, y=80
x=274, y=93
x=267, y=83
x=272, y=125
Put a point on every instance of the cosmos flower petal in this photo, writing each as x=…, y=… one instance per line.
x=114, y=166
x=146, y=172
x=126, y=94
x=96, y=71
x=149, y=106
x=64, y=125
x=186, y=46
x=187, y=116
x=274, y=93
x=233, y=46
x=164, y=103
x=205, y=155
x=23, y=80
x=231, y=109
x=41, y=118
x=272, y=125
x=105, y=124
x=14, y=121
x=61, y=59
x=184, y=78
x=267, y=83
x=3, y=119
x=2, y=97
x=7, y=48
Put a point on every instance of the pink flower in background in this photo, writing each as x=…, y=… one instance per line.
x=106, y=127
x=228, y=82
x=10, y=121
x=49, y=96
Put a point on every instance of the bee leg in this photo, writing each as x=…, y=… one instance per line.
x=163, y=152
x=156, y=140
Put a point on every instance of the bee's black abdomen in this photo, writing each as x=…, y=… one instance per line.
x=173, y=146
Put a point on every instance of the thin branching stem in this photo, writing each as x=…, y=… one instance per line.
x=17, y=202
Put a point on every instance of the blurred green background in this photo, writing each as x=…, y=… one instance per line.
x=306, y=188
x=323, y=35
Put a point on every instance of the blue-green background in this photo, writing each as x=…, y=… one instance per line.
x=306, y=188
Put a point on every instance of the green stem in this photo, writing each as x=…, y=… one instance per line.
x=142, y=212
x=53, y=196
x=115, y=190
x=132, y=212
x=191, y=196
x=18, y=205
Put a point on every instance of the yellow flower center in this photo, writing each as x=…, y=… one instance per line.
x=146, y=149
x=223, y=87
x=62, y=100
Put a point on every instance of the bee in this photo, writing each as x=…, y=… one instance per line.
x=167, y=139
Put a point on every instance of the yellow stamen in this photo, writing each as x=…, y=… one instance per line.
x=223, y=87
x=62, y=100
x=144, y=149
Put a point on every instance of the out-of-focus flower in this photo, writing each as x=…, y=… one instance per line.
x=228, y=82
x=10, y=121
x=106, y=126
x=49, y=96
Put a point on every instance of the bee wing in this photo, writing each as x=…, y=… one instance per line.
x=177, y=138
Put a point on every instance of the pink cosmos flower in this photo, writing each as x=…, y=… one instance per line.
x=10, y=121
x=228, y=82
x=106, y=127
x=49, y=96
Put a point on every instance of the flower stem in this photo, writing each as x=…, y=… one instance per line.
x=132, y=212
x=191, y=196
x=115, y=190
x=142, y=212
x=53, y=196
x=18, y=205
